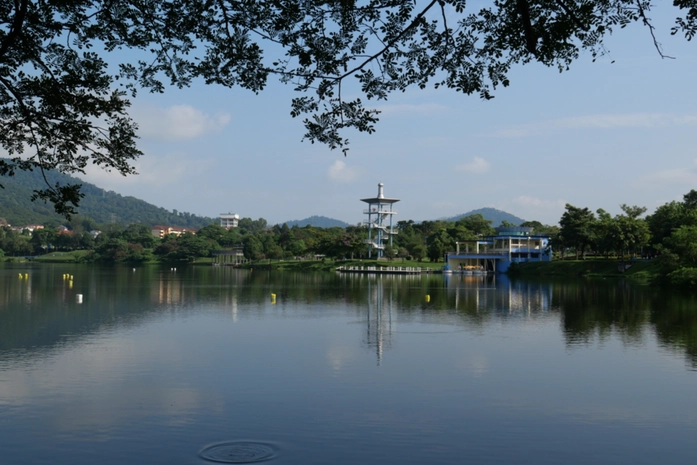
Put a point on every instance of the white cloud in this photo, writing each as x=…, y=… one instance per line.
x=153, y=171
x=476, y=166
x=339, y=172
x=177, y=122
x=685, y=175
x=528, y=201
x=601, y=121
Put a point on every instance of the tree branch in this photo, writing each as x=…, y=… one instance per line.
x=411, y=26
x=572, y=15
x=647, y=23
x=21, y=8
x=528, y=33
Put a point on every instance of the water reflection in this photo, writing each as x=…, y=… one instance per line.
x=41, y=311
x=156, y=365
x=499, y=294
x=379, y=318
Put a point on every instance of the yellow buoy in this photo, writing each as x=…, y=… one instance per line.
x=428, y=298
x=26, y=275
x=20, y=276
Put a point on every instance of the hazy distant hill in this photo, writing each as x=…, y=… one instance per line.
x=491, y=214
x=100, y=205
x=317, y=221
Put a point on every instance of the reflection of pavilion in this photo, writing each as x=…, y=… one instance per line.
x=379, y=320
x=499, y=293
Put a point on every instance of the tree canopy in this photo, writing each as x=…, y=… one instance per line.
x=64, y=101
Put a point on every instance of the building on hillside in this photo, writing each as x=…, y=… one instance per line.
x=229, y=220
x=162, y=231
x=496, y=253
x=32, y=227
x=380, y=230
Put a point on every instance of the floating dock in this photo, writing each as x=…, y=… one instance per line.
x=383, y=269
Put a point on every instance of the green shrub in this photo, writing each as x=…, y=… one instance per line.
x=684, y=277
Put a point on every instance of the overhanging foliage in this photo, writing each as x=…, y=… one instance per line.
x=64, y=105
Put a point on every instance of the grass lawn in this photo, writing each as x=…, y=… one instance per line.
x=62, y=257
x=640, y=269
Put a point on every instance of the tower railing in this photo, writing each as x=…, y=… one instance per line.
x=379, y=212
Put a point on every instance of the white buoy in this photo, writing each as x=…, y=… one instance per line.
x=79, y=298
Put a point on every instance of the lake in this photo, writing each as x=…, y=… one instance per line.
x=202, y=365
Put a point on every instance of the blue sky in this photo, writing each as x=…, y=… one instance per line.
x=597, y=136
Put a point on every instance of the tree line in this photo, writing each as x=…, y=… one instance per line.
x=135, y=242
x=669, y=234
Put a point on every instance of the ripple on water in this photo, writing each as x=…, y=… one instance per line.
x=238, y=452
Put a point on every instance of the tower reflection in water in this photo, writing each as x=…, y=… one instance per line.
x=450, y=298
x=379, y=319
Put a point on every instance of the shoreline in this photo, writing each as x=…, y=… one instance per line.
x=638, y=269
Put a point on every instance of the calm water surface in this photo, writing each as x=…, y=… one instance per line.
x=157, y=366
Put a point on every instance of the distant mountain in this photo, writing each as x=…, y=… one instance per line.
x=317, y=221
x=491, y=214
x=100, y=205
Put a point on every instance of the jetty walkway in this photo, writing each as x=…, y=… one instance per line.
x=384, y=269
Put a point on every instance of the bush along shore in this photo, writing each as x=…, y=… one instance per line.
x=648, y=271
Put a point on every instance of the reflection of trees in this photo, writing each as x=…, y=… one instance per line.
x=601, y=308
x=39, y=312
x=674, y=317
x=604, y=308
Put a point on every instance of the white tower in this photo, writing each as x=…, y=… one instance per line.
x=380, y=229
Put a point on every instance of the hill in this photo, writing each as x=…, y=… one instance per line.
x=491, y=214
x=100, y=205
x=317, y=221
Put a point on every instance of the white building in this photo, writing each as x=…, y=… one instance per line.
x=229, y=220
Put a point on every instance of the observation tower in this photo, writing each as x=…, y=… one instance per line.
x=380, y=215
